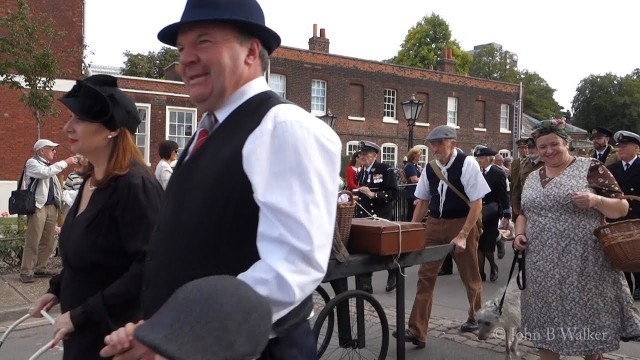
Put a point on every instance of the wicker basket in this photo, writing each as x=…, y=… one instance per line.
x=621, y=242
x=344, y=215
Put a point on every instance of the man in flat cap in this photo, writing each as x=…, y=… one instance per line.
x=243, y=210
x=495, y=206
x=602, y=150
x=40, y=174
x=452, y=219
x=377, y=191
x=627, y=174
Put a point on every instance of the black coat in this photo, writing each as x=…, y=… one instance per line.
x=629, y=182
x=381, y=181
x=497, y=181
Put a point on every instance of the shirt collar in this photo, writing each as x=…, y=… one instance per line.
x=630, y=162
x=454, y=153
x=241, y=95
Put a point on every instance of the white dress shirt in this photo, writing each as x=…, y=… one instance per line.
x=297, y=199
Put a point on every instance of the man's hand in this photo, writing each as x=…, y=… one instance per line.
x=366, y=191
x=460, y=243
x=123, y=346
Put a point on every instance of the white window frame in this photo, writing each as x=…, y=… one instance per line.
x=504, y=118
x=184, y=139
x=389, y=106
x=318, y=97
x=394, y=154
x=452, y=111
x=278, y=83
x=147, y=129
x=351, y=147
x=424, y=158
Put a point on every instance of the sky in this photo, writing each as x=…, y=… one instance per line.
x=562, y=41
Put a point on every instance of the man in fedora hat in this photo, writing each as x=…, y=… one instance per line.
x=452, y=219
x=602, y=150
x=246, y=212
x=627, y=174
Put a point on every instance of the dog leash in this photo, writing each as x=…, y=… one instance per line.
x=518, y=258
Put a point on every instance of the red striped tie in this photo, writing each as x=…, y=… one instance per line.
x=200, y=139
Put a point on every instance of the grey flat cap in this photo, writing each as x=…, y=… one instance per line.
x=369, y=146
x=442, y=132
x=624, y=136
x=212, y=318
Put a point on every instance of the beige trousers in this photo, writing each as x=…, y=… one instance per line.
x=440, y=232
x=39, y=239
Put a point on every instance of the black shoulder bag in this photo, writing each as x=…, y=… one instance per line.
x=23, y=201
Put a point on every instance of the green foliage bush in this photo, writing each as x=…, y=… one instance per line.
x=12, y=239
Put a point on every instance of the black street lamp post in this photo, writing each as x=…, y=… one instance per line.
x=411, y=108
x=329, y=118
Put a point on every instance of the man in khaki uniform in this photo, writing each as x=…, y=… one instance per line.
x=602, y=151
x=525, y=166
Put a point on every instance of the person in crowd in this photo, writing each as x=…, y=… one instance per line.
x=106, y=231
x=412, y=173
x=514, y=174
x=507, y=164
x=40, y=174
x=602, y=150
x=351, y=171
x=495, y=206
x=243, y=209
x=168, y=151
x=377, y=191
x=452, y=219
x=72, y=184
x=562, y=203
x=529, y=164
x=240, y=331
x=626, y=171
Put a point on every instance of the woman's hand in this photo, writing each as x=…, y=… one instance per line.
x=585, y=199
x=63, y=326
x=520, y=243
x=45, y=302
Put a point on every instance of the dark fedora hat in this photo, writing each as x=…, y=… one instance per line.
x=98, y=99
x=247, y=15
x=481, y=150
x=213, y=318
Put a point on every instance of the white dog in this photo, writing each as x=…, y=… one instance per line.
x=508, y=324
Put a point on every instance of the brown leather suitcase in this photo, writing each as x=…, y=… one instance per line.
x=381, y=237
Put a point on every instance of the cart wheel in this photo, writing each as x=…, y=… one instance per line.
x=320, y=300
x=368, y=336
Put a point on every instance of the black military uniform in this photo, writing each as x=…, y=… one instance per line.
x=381, y=180
x=627, y=174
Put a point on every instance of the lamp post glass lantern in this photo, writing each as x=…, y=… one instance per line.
x=411, y=108
x=329, y=119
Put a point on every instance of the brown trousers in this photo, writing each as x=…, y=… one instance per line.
x=440, y=232
x=39, y=240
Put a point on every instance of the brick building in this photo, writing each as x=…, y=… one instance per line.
x=364, y=95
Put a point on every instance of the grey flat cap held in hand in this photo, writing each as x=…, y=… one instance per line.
x=442, y=132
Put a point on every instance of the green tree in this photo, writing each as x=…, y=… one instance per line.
x=151, y=65
x=538, y=98
x=493, y=63
x=608, y=100
x=424, y=43
x=27, y=61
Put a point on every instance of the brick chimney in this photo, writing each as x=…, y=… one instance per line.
x=320, y=43
x=446, y=62
x=172, y=72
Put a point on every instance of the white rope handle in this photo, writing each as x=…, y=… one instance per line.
x=13, y=326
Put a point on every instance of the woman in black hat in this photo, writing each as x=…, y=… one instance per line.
x=106, y=231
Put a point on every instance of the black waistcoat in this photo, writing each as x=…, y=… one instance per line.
x=208, y=222
x=454, y=207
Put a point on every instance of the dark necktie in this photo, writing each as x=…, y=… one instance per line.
x=484, y=172
x=626, y=166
